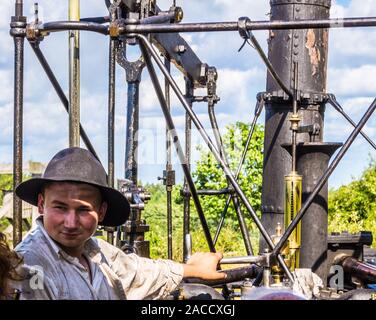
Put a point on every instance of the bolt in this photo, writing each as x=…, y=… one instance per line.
x=180, y=49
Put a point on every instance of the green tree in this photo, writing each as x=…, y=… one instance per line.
x=353, y=207
x=209, y=175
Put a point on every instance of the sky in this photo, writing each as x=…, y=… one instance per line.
x=351, y=76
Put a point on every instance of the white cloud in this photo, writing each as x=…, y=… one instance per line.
x=351, y=81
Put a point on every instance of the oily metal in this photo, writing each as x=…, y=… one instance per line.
x=18, y=22
x=287, y=48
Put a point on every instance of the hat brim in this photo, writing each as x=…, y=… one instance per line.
x=118, y=207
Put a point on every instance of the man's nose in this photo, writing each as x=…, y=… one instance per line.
x=71, y=219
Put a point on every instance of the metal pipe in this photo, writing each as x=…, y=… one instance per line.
x=364, y=272
x=18, y=8
x=146, y=45
x=111, y=124
x=160, y=18
x=55, y=26
x=168, y=167
x=333, y=101
x=325, y=177
x=172, y=130
x=99, y=20
x=47, y=69
x=295, y=118
x=18, y=124
x=245, y=259
x=235, y=200
x=74, y=76
x=132, y=131
x=111, y=111
x=253, y=25
x=204, y=192
x=232, y=275
x=187, y=195
x=258, y=109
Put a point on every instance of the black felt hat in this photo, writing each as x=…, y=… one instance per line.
x=78, y=165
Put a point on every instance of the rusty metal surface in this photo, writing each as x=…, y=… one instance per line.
x=362, y=271
x=285, y=48
x=111, y=111
x=18, y=136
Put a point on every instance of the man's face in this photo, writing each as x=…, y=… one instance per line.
x=71, y=212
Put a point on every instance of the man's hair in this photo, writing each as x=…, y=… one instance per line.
x=9, y=260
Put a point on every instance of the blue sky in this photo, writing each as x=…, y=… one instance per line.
x=351, y=76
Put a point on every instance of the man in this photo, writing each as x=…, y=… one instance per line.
x=73, y=198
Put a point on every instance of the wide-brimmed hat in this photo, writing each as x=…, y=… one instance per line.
x=78, y=165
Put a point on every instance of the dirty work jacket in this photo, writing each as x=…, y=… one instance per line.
x=114, y=274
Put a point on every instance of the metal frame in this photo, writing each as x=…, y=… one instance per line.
x=119, y=28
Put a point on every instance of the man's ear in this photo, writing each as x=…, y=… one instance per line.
x=40, y=203
x=102, y=211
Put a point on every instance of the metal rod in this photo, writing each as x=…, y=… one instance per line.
x=269, y=65
x=100, y=20
x=258, y=110
x=364, y=272
x=333, y=101
x=18, y=8
x=253, y=25
x=146, y=45
x=187, y=195
x=244, y=259
x=55, y=26
x=325, y=177
x=111, y=111
x=18, y=127
x=160, y=18
x=172, y=130
x=204, y=192
x=232, y=275
x=131, y=166
x=168, y=167
x=235, y=200
x=294, y=125
x=47, y=69
x=74, y=76
x=111, y=124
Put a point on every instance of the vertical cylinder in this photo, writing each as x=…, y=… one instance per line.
x=111, y=125
x=111, y=112
x=74, y=76
x=19, y=8
x=18, y=21
x=293, y=203
x=308, y=47
x=168, y=168
x=132, y=131
x=18, y=137
x=312, y=161
x=187, y=197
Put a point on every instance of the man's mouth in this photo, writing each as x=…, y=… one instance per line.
x=70, y=234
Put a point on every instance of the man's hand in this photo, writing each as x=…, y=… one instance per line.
x=204, y=265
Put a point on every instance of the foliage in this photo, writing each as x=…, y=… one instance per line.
x=353, y=207
x=155, y=215
x=6, y=184
x=209, y=175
